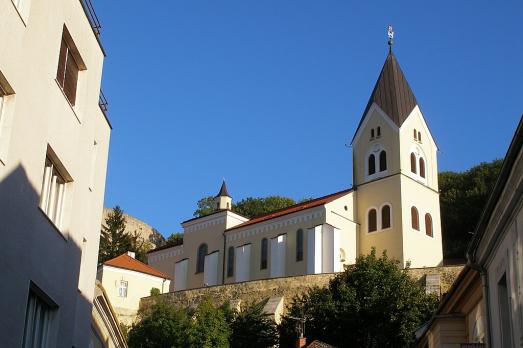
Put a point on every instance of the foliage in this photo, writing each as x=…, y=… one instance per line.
x=206, y=205
x=155, y=292
x=156, y=238
x=252, y=328
x=115, y=241
x=462, y=198
x=372, y=304
x=162, y=325
x=174, y=239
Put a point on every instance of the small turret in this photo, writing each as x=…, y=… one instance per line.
x=223, y=199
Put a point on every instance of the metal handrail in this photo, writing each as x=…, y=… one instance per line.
x=103, y=103
x=91, y=16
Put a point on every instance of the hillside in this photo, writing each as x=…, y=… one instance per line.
x=146, y=231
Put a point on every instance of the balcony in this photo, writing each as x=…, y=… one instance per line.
x=103, y=103
x=88, y=7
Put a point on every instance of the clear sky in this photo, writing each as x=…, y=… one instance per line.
x=267, y=93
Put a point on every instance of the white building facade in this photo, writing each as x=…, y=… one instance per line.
x=54, y=140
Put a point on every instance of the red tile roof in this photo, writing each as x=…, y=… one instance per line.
x=294, y=208
x=126, y=262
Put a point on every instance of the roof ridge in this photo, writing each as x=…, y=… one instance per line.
x=153, y=271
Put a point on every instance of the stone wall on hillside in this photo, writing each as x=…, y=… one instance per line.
x=288, y=287
x=133, y=224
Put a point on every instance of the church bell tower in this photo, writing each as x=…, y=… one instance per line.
x=223, y=200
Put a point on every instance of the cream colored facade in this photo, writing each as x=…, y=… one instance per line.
x=328, y=233
x=53, y=156
x=126, y=287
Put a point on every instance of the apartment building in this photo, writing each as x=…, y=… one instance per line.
x=54, y=139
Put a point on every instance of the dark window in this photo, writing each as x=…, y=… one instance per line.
x=200, y=261
x=419, y=137
x=428, y=225
x=373, y=225
x=415, y=218
x=372, y=164
x=378, y=131
x=299, y=245
x=37, y=322
x=504, y=312
x=230, y=262
x=422, y=167
x=67, y=73
x=385, y=217
x=264, y=251
x=372, y=133
x=415, y=135
x=383, y=160
x=413, y=162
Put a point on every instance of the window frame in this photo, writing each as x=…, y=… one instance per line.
x=41, y=299
x=389, y=206
x=264, y=253
x=230, y=262
x=371, y=163
x=299, y=245
x=203, y=249
x=375, y=222
x=421, y=166
x=383, y=161
x=429, y=225
x=414, y=218
x=123, y=288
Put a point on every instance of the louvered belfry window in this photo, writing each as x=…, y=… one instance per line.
x=67, y=73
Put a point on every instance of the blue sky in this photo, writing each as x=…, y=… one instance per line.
x=267, y=93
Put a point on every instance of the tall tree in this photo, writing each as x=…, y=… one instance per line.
x=205, y=206
x=250, y=327
x=372, y=304
x=114, y=240
x=462, y=198
x=174, y=239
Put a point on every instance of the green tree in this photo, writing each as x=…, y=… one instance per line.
x=156, y=238
x=209, y=327
x=251, y=207
x=115, y=241
x=160, y=326
x=206, y=205
x=174, y=239
x=462, y=199
x=252, y=328
x=372, y=304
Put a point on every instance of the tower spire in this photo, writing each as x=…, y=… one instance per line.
x=390, y=34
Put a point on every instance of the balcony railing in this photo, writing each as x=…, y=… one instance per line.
x=103, y=103
x=91, y=16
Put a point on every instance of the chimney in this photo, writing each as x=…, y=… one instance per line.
x=131, y=254
x=301, y=342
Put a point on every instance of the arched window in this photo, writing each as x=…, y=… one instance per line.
x=378, y=132
x=383, y=160
x=264, y=251
x=421, y=167
x=200, y=260
x=419, y=137
x=372, y=218
x=428, y=225
x=230, y=262
x=299, y=245
x=413, y=162
x=415, y=135
x=415, y=218
x=372, y=164
x=372, y=133
x=385, y=217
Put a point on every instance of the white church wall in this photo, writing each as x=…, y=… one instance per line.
x=341, y=213
x=330, y=249
x=180, y=275
x=277, y=256
x=314, y=250
x=210, y=270
x=243, y=263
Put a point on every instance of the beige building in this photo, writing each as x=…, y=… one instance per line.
x=54, y=139
x=126, y=280
x=393, y=206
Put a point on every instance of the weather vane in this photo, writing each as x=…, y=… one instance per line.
x=390, y=34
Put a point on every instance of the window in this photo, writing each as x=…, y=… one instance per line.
x=37, y=322
x=372, y=133
x=53, y=192
x=428, y=225
x=415, y=218
x=22, y=7
x=378, y=131
x=200, y=260
x=383, y=160
x=122, y=289
x=264, y=251
x=413, y=162
x=505, y=312
x=299, y=245
x=67, y=73
x=230, y=262
x=372, y=220
x=419, y=137
x=422, y=167
x=372, y=164
x=385, y=217
x=415, y=135
x=2, y=94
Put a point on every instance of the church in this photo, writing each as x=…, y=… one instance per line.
x=393, y=206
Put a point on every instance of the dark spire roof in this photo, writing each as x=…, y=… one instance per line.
x=223, y=191
x=392, y=93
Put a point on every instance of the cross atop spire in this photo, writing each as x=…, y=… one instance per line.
x=390, y=34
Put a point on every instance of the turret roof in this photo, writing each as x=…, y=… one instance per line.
x=223, y=191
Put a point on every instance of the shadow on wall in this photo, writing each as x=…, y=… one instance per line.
x=36, y=257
